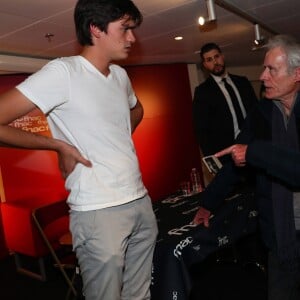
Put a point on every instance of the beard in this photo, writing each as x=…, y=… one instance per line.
x=218, y=70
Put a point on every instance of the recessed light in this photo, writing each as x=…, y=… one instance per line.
x=201, y=21
x=178, y=38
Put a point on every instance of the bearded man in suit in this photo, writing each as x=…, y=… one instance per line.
x=219, y=107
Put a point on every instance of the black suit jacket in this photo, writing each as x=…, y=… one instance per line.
x=212, y=119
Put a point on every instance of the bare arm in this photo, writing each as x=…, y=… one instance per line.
x=13, y=104
x=136, y=115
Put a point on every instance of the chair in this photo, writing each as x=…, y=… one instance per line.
x=52, y=222
x=23, y=187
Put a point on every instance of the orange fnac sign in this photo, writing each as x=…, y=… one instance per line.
x=34, y=122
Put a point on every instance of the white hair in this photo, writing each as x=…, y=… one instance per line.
x=290, y=46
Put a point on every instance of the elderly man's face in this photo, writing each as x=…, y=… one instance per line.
x=279, y=83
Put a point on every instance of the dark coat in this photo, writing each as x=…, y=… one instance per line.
x=212, y=119
x=272, y=163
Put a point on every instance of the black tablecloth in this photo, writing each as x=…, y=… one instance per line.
x=181, y=244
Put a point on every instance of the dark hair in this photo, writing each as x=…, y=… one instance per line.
x=100, y=13
x=208, y=47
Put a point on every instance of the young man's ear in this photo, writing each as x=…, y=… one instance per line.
x=95, y=31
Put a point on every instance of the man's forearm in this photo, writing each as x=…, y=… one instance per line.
x=17, y=138
x=68, y=155
x=136, y=115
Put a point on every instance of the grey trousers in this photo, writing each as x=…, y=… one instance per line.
x=114, y=247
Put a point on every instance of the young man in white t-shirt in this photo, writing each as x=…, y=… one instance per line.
x=92, y=111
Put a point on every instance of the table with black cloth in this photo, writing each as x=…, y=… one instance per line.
x=181, y=244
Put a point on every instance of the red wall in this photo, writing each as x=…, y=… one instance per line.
x=7, y=82
x=3, y=249
x=164, y=140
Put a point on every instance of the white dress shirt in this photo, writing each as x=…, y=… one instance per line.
x=220, y=83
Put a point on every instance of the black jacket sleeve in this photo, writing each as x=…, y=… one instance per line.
x=220, y=187
x=229, y=177
x=277, y=161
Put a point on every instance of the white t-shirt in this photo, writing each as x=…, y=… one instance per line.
x=91, y=112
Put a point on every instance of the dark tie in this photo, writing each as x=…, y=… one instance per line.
x=235, y=103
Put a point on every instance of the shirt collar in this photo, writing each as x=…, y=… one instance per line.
x=219, y=79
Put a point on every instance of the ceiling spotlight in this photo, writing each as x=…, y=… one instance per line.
x=259, y=39
x=178, y=38
x=210, y=5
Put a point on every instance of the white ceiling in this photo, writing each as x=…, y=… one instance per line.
x=24, y=24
